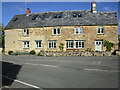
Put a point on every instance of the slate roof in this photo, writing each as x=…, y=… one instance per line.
x=63, y=18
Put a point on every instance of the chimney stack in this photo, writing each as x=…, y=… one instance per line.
x=28, y=12
x=93, y=7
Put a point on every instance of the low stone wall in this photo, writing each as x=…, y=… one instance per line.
x=73, y=53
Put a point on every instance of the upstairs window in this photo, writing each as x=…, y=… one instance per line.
x=78, y=30
x=69, y=44
x=26, y=32
x=56, y=31
x=100, y=30
x=57, y=16
x=80, y=44
x=26, y=44
x=38, y=43
x=77, y=15
x=52, y=44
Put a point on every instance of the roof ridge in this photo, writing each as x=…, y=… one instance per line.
x=61, y=11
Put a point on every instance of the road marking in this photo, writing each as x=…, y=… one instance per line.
x=102, y=70
x=24, y=83
x=41, y=64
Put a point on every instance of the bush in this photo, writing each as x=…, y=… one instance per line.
x=20, y=53
x=61, y=47
x=32, y=52
x=108, y=45
x=10, y=52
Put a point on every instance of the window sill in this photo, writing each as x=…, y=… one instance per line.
x=26, y=48
x=25, y=35
x=100, y=33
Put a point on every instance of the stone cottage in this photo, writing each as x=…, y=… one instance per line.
x=77, y=30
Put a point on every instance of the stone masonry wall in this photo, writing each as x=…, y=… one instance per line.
x=14, y=37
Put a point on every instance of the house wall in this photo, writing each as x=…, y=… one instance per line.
x=14, y=37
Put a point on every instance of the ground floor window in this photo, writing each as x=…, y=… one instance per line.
x=69, y=44
x=26, y=44
x=80, y=44
x=38, y=43
x=52, y=44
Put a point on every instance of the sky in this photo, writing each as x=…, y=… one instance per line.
x=10, y=9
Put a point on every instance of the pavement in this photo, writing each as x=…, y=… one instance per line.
x=59, y=72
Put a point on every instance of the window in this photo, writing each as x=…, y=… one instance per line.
x=26, y=44
x=77, y=15
x=38, y=43
x=26, y=32
x=56, y=31
x=80, y=44
x=78, y=30
x=100, y=30
x=69, y=44
x=52, y=44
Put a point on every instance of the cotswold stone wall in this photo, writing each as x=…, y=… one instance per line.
x=14, y=37
x=73, y=53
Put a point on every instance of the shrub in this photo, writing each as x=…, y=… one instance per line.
x=10, y=52
x=20, y=53
x=108, y=45
x=61, y=47
x=32, y=52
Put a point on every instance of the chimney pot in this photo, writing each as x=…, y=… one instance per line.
x=93, y=7
x=28, y=12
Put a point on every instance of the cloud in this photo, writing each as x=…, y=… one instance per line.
x=18, y=8
x=107, y=8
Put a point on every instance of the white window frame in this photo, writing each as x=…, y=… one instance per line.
x=53, y=44
x=38, y=43
x=26, y=44
x=56, y=29
x=80, y=43
x=69, y=44
x=79, y=29
x=100, y=30
x=26, y=32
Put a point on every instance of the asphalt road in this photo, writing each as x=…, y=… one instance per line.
x=60, y=72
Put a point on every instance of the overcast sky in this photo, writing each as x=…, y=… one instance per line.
x=9, y=9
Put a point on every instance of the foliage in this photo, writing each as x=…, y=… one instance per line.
x=61, y=47
x=20, y=53
x=108, y=45
x=10, y=52
x=88, y=49
x=32, y=52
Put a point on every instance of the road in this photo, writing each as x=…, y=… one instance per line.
x=61, y=72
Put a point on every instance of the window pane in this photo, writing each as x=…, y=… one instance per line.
x=58, y=30
x=54, y=31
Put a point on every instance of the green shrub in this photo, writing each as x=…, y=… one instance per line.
x=108, y=45
x=61, y=47
x=20, y=53
x=32, y=52
x=10, y=52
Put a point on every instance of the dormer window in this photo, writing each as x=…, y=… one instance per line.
x=77, y=15
x=15, y=19
x=57, y=16
x=25, y=32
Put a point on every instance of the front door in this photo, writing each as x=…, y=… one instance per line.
x=98, y=45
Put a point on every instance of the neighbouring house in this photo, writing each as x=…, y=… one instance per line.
x=119, y=41
x=77, y=30
x=0, y=39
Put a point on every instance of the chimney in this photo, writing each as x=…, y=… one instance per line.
x=28, y=12
x=93, y=7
